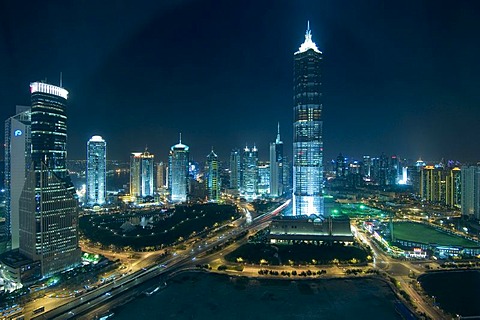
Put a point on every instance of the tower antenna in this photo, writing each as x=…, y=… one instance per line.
x=61, y=79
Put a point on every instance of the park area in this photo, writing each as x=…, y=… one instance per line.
x=148, y=231
x=417, y=232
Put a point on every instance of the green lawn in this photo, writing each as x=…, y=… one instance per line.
x=358, y=210
x=417, y=232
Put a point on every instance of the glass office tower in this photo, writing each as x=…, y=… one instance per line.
x=96, y=171
x=178, y=172
x=307, y=128
x=48, y=207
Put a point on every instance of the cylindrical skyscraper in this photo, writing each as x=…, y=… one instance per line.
x=178, y=172
x=96, y=171
x=307, y=129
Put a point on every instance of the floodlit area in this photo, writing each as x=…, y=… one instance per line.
x=417, y=232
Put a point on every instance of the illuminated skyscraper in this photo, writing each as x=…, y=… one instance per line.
x=48, y=208
x=235, y=170
x=160, y=175
x=250, y=173
x=307, y=128
x=17, y=164
x=178, y=172
x=276, y=166
x=264, y=180
x=96, y=171
x=141, y=174
x=212, y=179
x=470, y=192
x=441, y=185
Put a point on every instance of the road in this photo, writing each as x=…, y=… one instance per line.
x=400, y=271
x=111, y=294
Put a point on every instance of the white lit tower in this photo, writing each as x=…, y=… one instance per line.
x=250, y=173
x=96, y=171
x=307, y=129
x=178, y=172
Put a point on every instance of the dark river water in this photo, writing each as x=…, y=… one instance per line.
x=457, y=292
x=210, y=296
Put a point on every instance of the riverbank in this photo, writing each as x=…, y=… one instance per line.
x=200, y=295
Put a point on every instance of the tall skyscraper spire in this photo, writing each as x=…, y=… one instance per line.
x=276, y=166
x=308, y=43
x=278, y=133
x=307, y=128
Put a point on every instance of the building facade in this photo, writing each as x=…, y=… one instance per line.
x=17, y=164
x=48, y=207
x=235, y=170
x=212, y=177
x=96, y=171
x=142, y=174
x=264, y=179
x=250, y=173
x=276, y=166
x=441, y=185
x=307, y=128
x=470, y=191
x=178, y=172
x=160, y=175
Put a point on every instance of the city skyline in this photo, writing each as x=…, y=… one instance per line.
x=398, y=74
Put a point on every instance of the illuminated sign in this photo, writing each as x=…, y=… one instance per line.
x=17, y=133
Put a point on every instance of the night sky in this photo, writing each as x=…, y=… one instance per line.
x=400, y=77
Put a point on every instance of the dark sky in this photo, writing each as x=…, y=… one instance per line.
x=400, y=77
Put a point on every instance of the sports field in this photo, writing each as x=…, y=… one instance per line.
x=416, y=232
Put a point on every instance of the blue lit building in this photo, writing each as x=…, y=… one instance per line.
x=250, y=173
x=178, y=172
x=96, y=171
x=307, y=128
x=264, y=179
x=17, y=164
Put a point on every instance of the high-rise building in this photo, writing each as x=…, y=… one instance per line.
x=235, y=170
x=96, y=171
x=250, y=173
x=178, y=172
x=48, y=207
x=470, y=191
x=341, y=167
x=160, y=175
x=276, y=166
x=367, y=168
x=212, y=177
x=307, y=128
x=264, y=179
x=441, y=185
x=141, y=174
x=17, y=164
